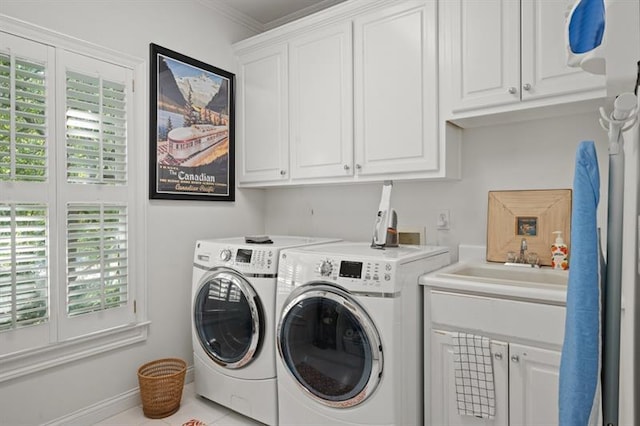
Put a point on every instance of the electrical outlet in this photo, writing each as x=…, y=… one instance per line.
x=443, y=220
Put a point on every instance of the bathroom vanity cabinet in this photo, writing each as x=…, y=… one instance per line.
x=525, y=326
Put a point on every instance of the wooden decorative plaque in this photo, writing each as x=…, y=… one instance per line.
x=532, y=215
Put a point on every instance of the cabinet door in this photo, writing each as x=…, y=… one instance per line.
x=263, y=124
x=321, y=97
x=395, y=89
x=544, y=54
x=482, y=39
x=533, y=386
x=444, y=408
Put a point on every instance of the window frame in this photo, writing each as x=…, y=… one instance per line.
x=59, y=348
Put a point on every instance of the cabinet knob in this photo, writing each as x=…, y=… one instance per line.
x=526, y=86
x=346, y=167
x=512, y=90
x=515, y=358
x=283, y=172
x=358, y=166
x=498, y=355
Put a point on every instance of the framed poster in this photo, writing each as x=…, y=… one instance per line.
x=191, y=129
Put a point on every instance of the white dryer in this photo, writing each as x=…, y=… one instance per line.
x=233, y=312
x=349, y=334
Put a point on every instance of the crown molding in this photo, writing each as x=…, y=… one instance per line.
x=321, y=5
x=340, y=11
x=234, y=14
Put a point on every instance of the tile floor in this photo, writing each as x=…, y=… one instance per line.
x=191, y=407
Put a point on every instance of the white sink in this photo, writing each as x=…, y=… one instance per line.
x=540, y=285
x=503, y=274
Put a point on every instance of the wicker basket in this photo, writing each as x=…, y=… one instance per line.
x=161, y=384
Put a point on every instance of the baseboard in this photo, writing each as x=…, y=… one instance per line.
x=107, y=408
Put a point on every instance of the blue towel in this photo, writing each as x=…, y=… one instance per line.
x=579, y=399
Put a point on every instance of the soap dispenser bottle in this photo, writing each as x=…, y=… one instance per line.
x=559, y=253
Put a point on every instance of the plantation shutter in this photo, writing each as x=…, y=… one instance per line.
x=27, y=193
x=96, y=257
x=24, y=265
x=24, y=268
x=96, y=129
x=69, y=276
x=23, y=118
x=96, y=195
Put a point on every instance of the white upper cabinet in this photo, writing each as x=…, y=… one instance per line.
x=396, y=96
x=484, y=44
x=263, y=115
x=505, y=52
x=544, y=55
x=348, y=94
x=321, y=101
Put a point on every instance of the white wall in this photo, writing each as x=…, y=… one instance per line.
x=530, y=155
x=172, y=226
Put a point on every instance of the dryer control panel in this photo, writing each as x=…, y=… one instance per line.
x=370, y=273
x=357, y=267
x=363, y=275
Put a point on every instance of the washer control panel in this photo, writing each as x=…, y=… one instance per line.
x=248, y=260
x=253, y=259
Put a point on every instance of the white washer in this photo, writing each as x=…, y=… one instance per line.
x=233, y=309
x=349, y=334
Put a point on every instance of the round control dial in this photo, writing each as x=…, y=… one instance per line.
x=326, y=267
x=225, y=255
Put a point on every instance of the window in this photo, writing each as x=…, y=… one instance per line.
x=69, y=203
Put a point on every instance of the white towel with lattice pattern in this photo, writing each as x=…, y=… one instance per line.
x=475, y=392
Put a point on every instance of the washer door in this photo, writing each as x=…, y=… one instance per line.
x=228, y=318
x=330, y=346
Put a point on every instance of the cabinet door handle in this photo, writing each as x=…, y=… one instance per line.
x=526, y=86
x=515, y=358
x=512, y=90
x=283, y=172
x=358, y=166
x=498, y=356
x=346, y=167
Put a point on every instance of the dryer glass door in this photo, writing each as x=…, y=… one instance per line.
x=228, y=318
x=330, y=346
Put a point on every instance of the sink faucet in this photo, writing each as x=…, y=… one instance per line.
x=523, y=249
x=524, y=259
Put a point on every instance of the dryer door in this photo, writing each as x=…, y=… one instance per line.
x=330, y=346
x=228, y=318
